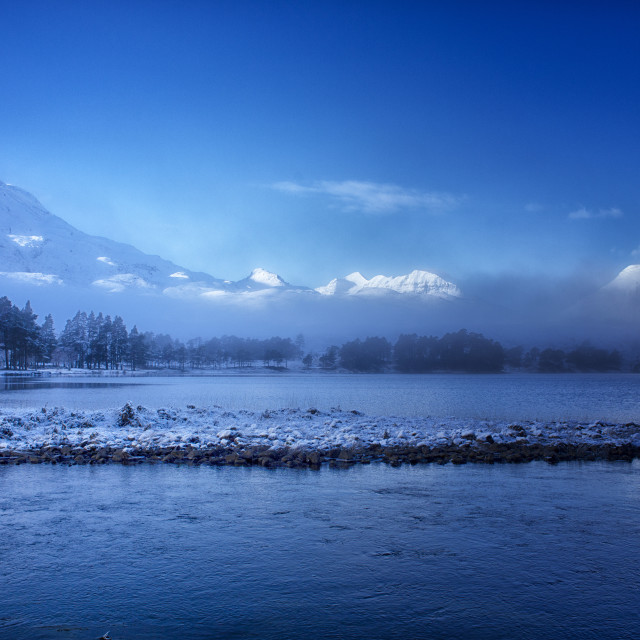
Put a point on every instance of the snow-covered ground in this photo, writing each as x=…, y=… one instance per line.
x=214, y=431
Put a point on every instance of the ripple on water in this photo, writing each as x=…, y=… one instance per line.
x=426, y=551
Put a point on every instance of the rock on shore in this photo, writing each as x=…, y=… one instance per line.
x=294, y=438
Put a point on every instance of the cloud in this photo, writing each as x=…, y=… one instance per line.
x=586, y=214
x=372, y=197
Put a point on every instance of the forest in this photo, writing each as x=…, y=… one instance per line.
x=97, y=341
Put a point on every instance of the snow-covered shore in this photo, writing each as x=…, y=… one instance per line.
x=294, y=437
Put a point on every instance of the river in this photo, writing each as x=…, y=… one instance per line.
x=509, y=551
x=372, y=551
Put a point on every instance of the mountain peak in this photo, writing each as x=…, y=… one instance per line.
x=417, y=283
x=262, y=276
x=357, y=278
x=627, y=280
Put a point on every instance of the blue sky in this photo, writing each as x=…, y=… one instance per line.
x=319, y=138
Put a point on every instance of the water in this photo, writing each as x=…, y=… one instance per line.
x=513, y=551
x=611, y=397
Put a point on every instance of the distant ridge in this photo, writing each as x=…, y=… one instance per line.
x=39, y=248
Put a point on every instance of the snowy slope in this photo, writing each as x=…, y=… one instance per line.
x=627, y=281
x=41, y=248
x=340, y=286
x=415, y=283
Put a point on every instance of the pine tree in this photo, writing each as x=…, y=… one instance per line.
x=48, y=340
x=119, y=342
x=93, y=329
x=137, y=349
x=74, y=340
x=5, y=327
x=26, y=336
x=103, y=342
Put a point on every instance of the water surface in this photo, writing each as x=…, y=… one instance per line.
x=512, y=551
x=610, y=397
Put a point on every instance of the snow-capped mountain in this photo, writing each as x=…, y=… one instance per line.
x=262, y=280
x=343, y=286
x=627, y=281
x=39, y=248
x=415, y=283
x=61, y=269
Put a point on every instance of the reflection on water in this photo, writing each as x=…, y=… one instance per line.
x=38, y=384
x=609, y=397
x=513, y=551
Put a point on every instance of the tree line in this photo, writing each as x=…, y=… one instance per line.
x=97, y=341
x=461, y=351
x=24, y=342
x=584, y=358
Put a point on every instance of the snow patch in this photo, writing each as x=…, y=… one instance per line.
x=26, y=241
x=122, y=281
x=32, y=278
x=106, y=261
x=179, y=274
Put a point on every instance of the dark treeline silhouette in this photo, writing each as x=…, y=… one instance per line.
x=372, y=354
x=584, y=358
x=100, y=342
x=462, y=351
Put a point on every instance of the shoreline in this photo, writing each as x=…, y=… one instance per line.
x=216, y=372
x=296, y=438
x=313, y=459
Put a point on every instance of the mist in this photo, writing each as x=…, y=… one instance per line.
x=559, y=312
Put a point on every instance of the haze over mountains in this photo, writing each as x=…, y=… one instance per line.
x=61, y=269
x=39, y=248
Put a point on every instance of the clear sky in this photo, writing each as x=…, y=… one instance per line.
x=319, y=138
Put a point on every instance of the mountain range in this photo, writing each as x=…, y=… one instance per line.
x=39, y=248
x=61, y=269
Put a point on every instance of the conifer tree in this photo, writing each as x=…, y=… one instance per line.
x=48, y=340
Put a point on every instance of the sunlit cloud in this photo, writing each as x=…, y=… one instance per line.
x=372, y=197
x=586, y=214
